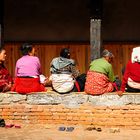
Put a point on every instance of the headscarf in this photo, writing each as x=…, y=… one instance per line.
x=107, y=53
x=60, y=62
x=135, y=57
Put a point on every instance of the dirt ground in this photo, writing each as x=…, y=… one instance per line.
x=51, y=132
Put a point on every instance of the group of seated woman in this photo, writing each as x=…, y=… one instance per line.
x=27, y=72
x=65, y=77
x=29, y=78
x=100, y=77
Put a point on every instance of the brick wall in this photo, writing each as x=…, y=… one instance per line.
x=86, y=114
x=75, y=108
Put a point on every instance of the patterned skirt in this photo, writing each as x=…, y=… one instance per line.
x=97, y=83
x=27, y=85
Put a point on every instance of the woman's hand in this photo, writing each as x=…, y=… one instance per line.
x=47, y=82
x=120, y=93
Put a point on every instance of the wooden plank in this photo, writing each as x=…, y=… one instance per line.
x=46, y=52
x=80, y=52
x=122, y=53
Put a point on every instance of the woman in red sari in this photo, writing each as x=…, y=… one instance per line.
x=28, y=71
x=5, y=78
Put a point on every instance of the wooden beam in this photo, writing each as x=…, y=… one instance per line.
x=1, y=22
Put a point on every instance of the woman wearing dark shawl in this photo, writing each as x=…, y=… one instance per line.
x=64, y=75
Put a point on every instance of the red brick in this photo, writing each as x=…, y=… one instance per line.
x=69, y=117
x=137, y=111
x=55, y=117
x=129, y=123
x=71, y=114
x=125, y=107
x=101, y=115
x=136, y=119
x=108, y=110
x=5, y=106
x=82, y=118
x=44, y=117
x=100, y=111
x=75, y=118
x=131, y=112
x=114, y=107
x=116, y=111
x=136, y=107
x=27, y=110
x=63, y=118
x=17, y=117
x=101, y=107
x=131, y=115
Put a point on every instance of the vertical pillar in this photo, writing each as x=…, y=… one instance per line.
x=95, y=10
x=1, y=22
x=95, y=38
x=0, y=36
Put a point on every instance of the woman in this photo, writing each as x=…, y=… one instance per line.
x=131, y=78
x=5, y=78
x=100, y=76
x=28, y=71
x=64, y=74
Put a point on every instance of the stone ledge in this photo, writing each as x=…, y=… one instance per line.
x=71, y=100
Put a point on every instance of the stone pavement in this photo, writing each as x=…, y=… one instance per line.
x=52, y=133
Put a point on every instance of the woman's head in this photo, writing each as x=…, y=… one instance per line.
x=27, y=49
x=2, y=55
x=108, y=55
x=135, y=56
x=65, y=53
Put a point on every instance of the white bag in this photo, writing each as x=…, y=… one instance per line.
x=62, y=83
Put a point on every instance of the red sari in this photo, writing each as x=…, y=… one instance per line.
x=97, y=83
x=27, y=85
x=5, y=77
